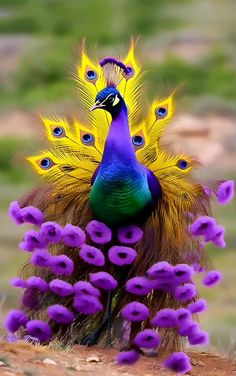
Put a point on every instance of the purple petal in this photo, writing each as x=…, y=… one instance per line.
x=135, y=311
x=62, y=265
x=203, y=226
x=40, y=330
x=32, y=215
x=188, y=327
x=92, y=255
x=147, y=339
x=185, y=293
x=14, y=213
x=218, y=237
x=30, y=298
x=73, y=236
x=165, y=318
x=38, y=283
x=225, y=192
x=41, y=258
x=99, y=232
x=19, y=282
x=212, y=278
x=15, y=319
x=138, y=286
x=60, y=314
x=87, y=304
x=178, y=362
x=161, y=269
x=183, y=273
x=182, y=315
x=103, y=280
x=51, y=232
x=84, y=287
x=32, y=241
x=199, y=306
x=127, y=357
x=198, y=337
x=130, y=234
x=61, y=288
x=121, y=255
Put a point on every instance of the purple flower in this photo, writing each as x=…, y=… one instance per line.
x=60, y=314
x=198, y=337
x=87, y=304
x=163, y=285
x=92, y=255
x=32, y=240
x=203, y=226
x=40, y=330
x=212, y=278
x=199, y=306
x=51, y=232
x=182, y=315
x=130, y=234
x=73, y=236
x=32, y=215
x=185, y=292
x=183, y=273
x=147, y=339
x=165, y=318
x=38, y=283
x=30, y=298
x=138, y=286
x=19, y=282
x=84, y=287
x=161, y=269
x=121, y=255
x=188, y=327
x=99, y=232
x=15, y=319
x=61, y=288
x=41, y=258
x=103, y=280
x=127, y=357
x=62, y=265
x=135, y=311
x=225, y=192
x=15, y=213
x=218, y=237
x=11, y=338
x=178, y=362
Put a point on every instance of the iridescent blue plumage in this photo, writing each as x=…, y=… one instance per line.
x=123, y=189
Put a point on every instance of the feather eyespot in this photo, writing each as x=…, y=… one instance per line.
x=46, y=163
x=138, y=140
x=58, y=131
x=161, y=111
x=87, y=138
x=91, y=75
x=129, y=70
x=183, y=164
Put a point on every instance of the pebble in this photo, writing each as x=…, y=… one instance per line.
x=93, y=359
x=2, y=364
x=49, y=361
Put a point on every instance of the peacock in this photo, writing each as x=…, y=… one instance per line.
x=139, y=215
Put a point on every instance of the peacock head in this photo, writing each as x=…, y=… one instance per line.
x=109, y=99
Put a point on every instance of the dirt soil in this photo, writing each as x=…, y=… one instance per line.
x=28, y=360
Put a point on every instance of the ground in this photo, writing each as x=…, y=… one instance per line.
x=25, y=359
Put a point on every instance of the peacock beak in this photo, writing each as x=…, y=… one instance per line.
x=96, y=105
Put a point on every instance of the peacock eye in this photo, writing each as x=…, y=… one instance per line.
x=138, y=140
x=161, y=111
x=46, y=163
x=129, y=71
x=183, y=164
x=110, y=99
x=58, y=131
x=91, y=75
x=87, y=138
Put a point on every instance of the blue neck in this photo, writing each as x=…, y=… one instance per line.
x=119, y=139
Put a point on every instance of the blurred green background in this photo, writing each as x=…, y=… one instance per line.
x=185, y=42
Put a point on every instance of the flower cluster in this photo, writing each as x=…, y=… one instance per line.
x=86, y=296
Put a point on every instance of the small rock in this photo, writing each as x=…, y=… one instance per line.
x=49, y=361
x=93, y=359
x=200, y=363
x=2, y=364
